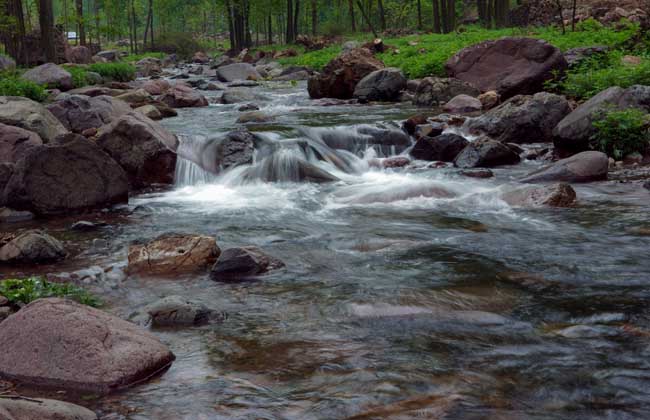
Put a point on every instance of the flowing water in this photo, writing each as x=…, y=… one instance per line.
x=406, y=294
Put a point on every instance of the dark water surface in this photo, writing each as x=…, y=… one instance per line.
x=459, y=308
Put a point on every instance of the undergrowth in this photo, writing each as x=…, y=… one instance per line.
x=23, y=291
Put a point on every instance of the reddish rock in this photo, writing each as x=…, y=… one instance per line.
x=183, y=96
x=79, y=55
x=156, y=87
x=557, y=195
x=341, y=75
x=15, y=142
x=510, y=66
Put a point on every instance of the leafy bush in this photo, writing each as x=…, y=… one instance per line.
x=78, y=75
x=182, y=44
x=11, y=84
x=27, y=290
x=599, y=73
x=619, y=133
x=119, y=72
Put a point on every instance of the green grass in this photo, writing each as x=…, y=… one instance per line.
x=119, y=72
x=622, y=132
x=23, y=291
x=11, y=84
x=78, y=75
x=430, y=52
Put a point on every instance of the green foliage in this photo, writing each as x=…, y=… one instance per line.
x=78, y=75
x=619, y=133
x=134, y=58
x=425, y=55
x=33, y=288
x=598, y=73
x=182, y=44
x=11, y=84
x=119, y=72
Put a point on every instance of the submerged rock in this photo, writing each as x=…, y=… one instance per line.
x=244, y=262
x=556, y=195
x=62, y=178
x=583, y=167
x=87, y=350
x=510, y=66
x=172, y=254
x=444, y=147
x=32, y=247
x=486, y=153
x=22, y=408
x=29, y=115
x=221, y=153
x=176, y=311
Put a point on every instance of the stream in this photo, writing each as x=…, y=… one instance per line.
x=395, y=302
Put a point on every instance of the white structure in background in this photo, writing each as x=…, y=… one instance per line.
x=72, y=36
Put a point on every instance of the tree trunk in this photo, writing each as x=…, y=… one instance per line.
x=314, y=18
x=269, y=38
x=146, y=28
x=420, y=15
x=135, y=28
x=81, y=27
x=296, y=27
x=573, y=16
x=231, y=26
x=367, y=19
x=289, y=38
x=351, y=13
x=444, y=16
x=46, y=22
x=451, y=15
x=436, y=16
x=382, y=15
x=97, y=20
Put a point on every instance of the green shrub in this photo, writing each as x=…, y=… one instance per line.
x=23, y=291
x=619, y=133
x=11, y=84
x=119, y=72
x=182, y=44
x=78, y=75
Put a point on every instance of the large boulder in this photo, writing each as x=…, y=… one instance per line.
x=149, y=66
x=182, y=96
x=511, y=65
x=556, y=195
x=136, y=98
x=223, y=152
x=444, y=147
x=109, y=55
x=18, y=408
x=156, y=87
x=60, y=178
x=434, y=91
x=236, y=95
x=173, y=254
x=583, y=167
x=244, y=262
x=522, y=119
x=25, y=113
x=381, y=85
x=237, y=71
x=7, y=63
x=79, y=113
x=15, y=142
x=462, y=104
x=32, y=247
x=340, y=76
x=79, y=55
x=573, y=132
x=87, y=350
x=142, y=147
x=50, y=75
x=486, y=153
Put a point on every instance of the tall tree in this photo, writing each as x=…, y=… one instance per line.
x=46, y=22
x=314, y=17
x=291, y=34
x=382, y=15
x=436, y=16
x=81, y=28
x=353, y=23
x=419, y=7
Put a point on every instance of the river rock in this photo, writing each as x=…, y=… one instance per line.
x=87, y=350
x=149, y=66
x=234, y=95
x=254, y=117
x=16, y=142
x=462, y=104
x=50, y=75
x=434, y=91
x=244, y=262
x=510, y=66
x=150, y=111
x=79, y=113
x=575, y=56
x=486, y=153
x=582, y=167
x=109, y=55
x=142, y=147
x=25, y=113
x=7, y=63
x=443, y=148
x=274, y=169
x=156, y=87
x=174, y=311
x=173, y=254
x=200, y=57
x=481, y=173
x=96, y=91
x=381, y=85
x=20, y=408
x=388, y=141
x=32, y=247
x=66, y=177
x=136, y=98
x=573, y=133
x=412, y=122
x=342, y=74
x=182, y=96
x=556, y=195
x=489, y=99
x=522, y=119
x=237, y=71
x=79, y=54
x=222, y=152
